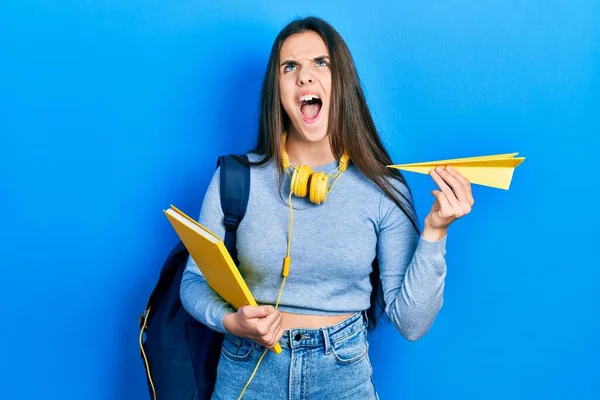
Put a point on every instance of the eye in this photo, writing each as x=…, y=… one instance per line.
x=289, y=67
x=322, y=63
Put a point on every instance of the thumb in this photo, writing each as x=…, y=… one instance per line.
x=267, y=310
x=260, y=311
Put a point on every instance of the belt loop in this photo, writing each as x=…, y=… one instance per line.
x=326, y=343
x=366, y=317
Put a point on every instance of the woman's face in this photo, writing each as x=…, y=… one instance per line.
x=305, y=85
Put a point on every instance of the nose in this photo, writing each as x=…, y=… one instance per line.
x=305, y=76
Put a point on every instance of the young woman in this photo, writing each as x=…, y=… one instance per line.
x=317, y=138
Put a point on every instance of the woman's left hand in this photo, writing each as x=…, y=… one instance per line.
x=453, y=201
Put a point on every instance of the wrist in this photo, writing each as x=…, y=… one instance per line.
x=229, y=323
x=434, y=234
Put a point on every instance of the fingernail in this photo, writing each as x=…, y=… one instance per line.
x=438, y=169
x=449, y=168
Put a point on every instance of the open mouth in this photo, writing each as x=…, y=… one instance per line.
x=310, y=107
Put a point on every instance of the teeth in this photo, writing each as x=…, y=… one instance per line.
x=308, y=97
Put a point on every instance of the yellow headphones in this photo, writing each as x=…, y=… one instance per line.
x=304, y=181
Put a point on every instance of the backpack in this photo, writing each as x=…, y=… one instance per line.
x=181, y=354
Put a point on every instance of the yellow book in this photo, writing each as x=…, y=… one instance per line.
x=213, y=259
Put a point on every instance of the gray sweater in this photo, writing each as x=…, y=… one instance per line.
x=332, y=248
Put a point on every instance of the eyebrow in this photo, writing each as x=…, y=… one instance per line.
x=294, y=61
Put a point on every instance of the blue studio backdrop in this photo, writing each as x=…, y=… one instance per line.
x=112, y=110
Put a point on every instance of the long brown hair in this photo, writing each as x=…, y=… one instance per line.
x=350, y=127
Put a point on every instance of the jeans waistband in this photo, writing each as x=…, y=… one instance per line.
x=323, y=337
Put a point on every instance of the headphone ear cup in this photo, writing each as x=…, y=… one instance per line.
x=319, y=182
x=299, y=184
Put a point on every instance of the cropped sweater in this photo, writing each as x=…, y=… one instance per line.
x=333, y=246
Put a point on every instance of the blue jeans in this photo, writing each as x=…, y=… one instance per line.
x=325, y=363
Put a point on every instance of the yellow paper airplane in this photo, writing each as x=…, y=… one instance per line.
x=494, y=170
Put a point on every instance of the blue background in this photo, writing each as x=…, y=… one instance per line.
x=110, y=111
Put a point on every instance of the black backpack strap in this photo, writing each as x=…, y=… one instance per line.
x=235, y=190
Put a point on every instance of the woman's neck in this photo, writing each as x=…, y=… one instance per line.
x=302, y=152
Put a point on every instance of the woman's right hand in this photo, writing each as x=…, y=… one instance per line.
x=262, y=324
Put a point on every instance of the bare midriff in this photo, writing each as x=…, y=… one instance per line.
x=291, y=321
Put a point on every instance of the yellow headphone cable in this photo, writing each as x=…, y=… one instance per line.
x=287, y=260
